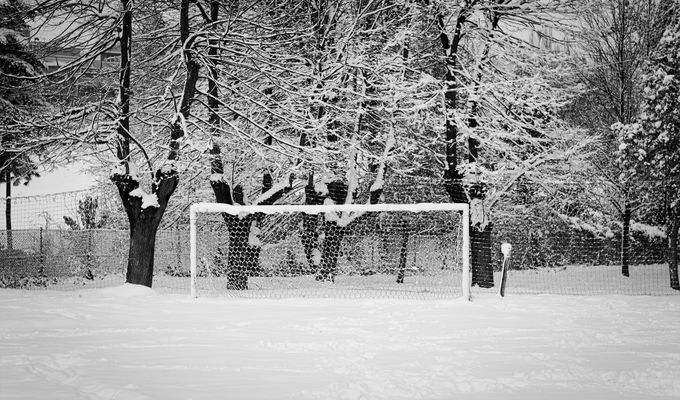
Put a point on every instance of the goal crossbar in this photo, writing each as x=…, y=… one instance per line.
x=197, y=208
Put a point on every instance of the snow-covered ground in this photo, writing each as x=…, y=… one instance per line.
x=130, y=342
x=652, y=279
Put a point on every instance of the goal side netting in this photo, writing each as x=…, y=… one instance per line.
x=354, y=250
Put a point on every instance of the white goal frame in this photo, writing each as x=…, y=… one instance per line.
x=197, y=208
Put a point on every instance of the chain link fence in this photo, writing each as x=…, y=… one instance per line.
x=551, y=254
x=64, y=258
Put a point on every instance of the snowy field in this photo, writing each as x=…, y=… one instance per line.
x=130, y=342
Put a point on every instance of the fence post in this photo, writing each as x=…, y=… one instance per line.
x=506, y=249
x=90, y=259
x=42, y=250
x=41, y=254
x=179, y=250
x=8, y=210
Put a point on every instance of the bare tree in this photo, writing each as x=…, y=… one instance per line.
x=612, y=45
x=143, y=109
x=325, y=97
x=501, y=107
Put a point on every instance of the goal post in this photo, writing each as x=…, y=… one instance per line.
x=342, y=216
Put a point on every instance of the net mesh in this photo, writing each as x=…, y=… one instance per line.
x=391, y=253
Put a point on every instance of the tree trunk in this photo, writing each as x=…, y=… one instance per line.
x=144, y=223
x=310, y=235
x=480, y=249
x=145, y=216
x=625, y=240
x=673, y=251
x=142, y=249
x=453, y=180
x=333, y=235
x=402, y=256
x=243, y=259
x=244, y=256
x=480, y=244
x=8, y=209
x=310, y=241
x=213, y=58
x=480, y=252
x=480, y=238
x=237, y=279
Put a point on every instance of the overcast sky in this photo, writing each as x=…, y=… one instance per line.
x=62, y=179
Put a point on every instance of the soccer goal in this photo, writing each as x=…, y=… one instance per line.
x=349, y=250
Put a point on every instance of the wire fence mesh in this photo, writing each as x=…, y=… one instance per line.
x=63, y=258
x=46, y=211
x=549, y=256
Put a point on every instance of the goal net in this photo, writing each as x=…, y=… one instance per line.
x=356, y=250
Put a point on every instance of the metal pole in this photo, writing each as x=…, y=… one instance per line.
x=192, y=248
x=465, y=282
x=178, y=249
x=42, y=255
x=8, y=209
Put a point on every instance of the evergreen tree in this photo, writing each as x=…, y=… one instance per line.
x=16, y=61
x=649, y=146
x=616, y=39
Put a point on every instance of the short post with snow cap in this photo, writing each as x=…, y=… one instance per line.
x=506, y=249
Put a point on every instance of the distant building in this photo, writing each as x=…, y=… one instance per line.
x=545, y=38
x=100, y=73
x=54, y=58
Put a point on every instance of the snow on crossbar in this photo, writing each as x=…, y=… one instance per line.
x=326, y=208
